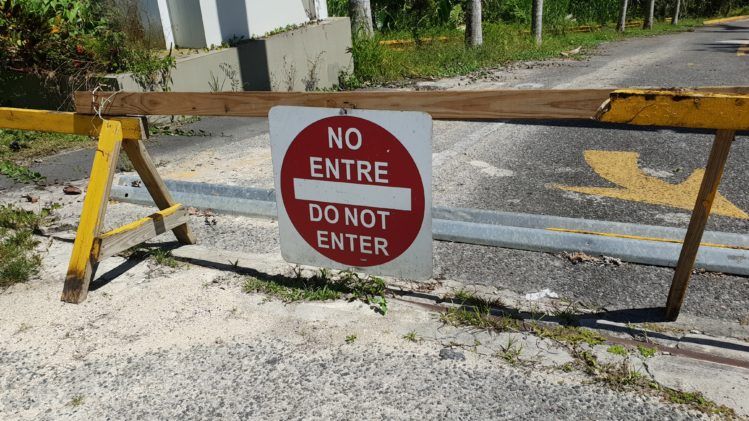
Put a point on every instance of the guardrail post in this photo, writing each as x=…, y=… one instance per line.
x=709, y=188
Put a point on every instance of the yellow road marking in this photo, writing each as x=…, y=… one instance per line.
x=637, y=237
x=622, y=169
x=725, y=20
x=743, y=51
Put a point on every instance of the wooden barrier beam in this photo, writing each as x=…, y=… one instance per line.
x=548, y=104
x=677, y=109
x=70, y=123
x=467, y=105
x=124, y=237
x=82, y=267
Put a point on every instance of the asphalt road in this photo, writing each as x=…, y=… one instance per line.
x=520, y=168
x=517, y=168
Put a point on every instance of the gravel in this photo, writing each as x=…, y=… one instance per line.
x=275, y=379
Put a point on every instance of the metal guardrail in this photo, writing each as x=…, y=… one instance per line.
x=635, y=243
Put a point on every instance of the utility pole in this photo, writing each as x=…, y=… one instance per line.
x=360, y=12
x=474, y=33
x=622, y=26
x=650, y=17
x=538, y=21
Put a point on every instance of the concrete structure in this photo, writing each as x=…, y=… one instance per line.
x=303, y=59
x=207, y=23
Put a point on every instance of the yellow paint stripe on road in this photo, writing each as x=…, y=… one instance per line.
x=743, y=51
x=637, y=237
x=725, y=20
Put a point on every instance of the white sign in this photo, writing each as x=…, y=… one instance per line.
x=354, y=189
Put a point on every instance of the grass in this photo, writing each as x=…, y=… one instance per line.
x=617, y=376
x=695, y=400
x=646, y=352
x=570, y=335
x=411, y=336
x=503, y=43
x=512, y=351
x=18, y=147
x=323, y=287
x=165, y=258
x=76, y=401
x=17, y=244
x=480, y=318
x=292, y=292
x=350, y=339
x=618, y=350
x=160, y=256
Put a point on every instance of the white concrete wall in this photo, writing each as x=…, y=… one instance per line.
x=206, y=23
x=187, y=23
x=265, y=16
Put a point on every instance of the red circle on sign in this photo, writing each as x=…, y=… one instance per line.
x=357, y=201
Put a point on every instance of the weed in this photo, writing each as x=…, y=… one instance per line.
x=467, y=298
x=76, y=401
x=570, y=335
x=695, y=400
x=312, y=79
x=411, y=336
x=19, y=260
x=369, y=290
x=511, y=352
x=618, y=350
x=165, y=258
x=175, y=129
x=325, y=274
x=322, y=287
x=299, y=289
x=479, y=317
x=23, y=328
x=350, y=339
x=124, y=164
x=282, y=29
x=230, y=74
x=150, y=70
x=19, y=173
x=160, y=256
x=567, y=315
x=567, y=367
x=659, y=328
x=646, y=352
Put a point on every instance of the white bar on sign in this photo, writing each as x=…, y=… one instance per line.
x=397, y=198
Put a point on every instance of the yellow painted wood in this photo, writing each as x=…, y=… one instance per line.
x=137, y=224
x=81, y=267
x=677, y=108
x=641, y=238
x=134, y=233
x=62, y=122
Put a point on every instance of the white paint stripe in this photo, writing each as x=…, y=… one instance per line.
x=397, y=198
